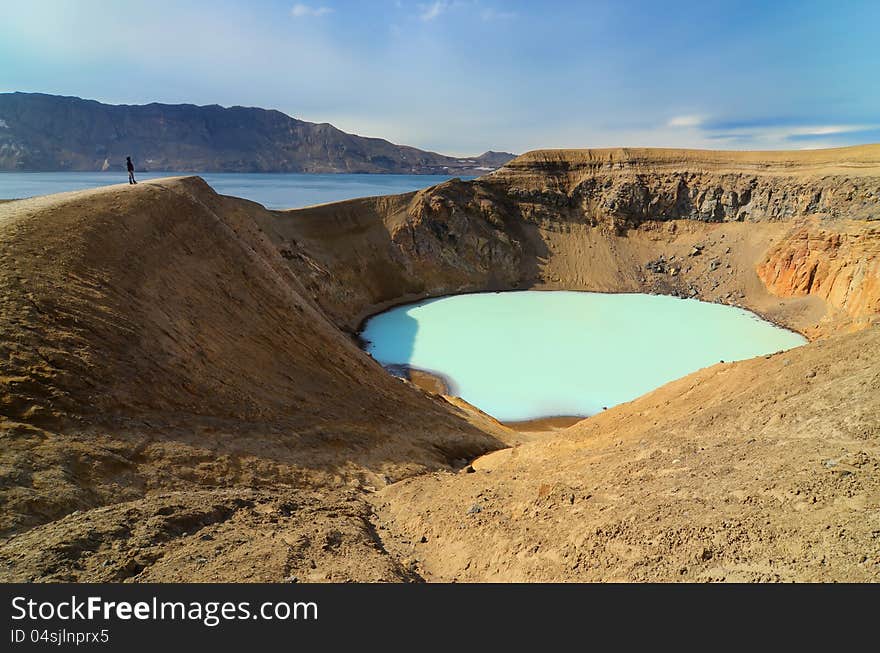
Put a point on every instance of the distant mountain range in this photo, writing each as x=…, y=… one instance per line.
x=40, y=132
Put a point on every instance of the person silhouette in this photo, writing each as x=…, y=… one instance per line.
x=130, y=166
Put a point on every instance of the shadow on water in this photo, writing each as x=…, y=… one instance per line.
x=390, y=337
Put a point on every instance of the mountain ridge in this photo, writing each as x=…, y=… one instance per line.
x=40, y=132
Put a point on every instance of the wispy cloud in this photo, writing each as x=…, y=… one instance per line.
x=782, y=132
x=790, y=132
x=828, y=130
x=431, y=11
x=685, y=121
x=300, y=10
x=761, y=133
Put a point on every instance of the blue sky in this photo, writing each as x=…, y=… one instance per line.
x=464, y=76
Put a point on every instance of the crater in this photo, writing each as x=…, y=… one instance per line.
x=202, y=345
x=528, y=355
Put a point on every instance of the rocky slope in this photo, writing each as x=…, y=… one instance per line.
x=841, y=265
x=48, y=132
x=611, y=227
x=153, y=338
x=181, y=391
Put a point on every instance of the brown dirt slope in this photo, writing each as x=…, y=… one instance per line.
x=763, y=470
x=154, y=338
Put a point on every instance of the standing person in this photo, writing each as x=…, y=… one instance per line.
x=130, y=166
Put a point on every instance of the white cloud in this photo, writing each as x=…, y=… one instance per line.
x=685, y=121
x=788, y=136
x=300, y=10
x=757, y=136
x=431, y=11
x=826, y=130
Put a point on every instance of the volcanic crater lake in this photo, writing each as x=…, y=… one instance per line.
x=524, y=355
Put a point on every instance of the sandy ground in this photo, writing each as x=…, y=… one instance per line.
x=542, y=424
x=182, y=397
x=764, y=470
x=436, y=385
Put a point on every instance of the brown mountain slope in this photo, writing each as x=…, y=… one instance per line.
x=154, y=338
x=182, y=398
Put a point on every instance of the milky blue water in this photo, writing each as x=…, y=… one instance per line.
x=523, y=355
x=274, y=191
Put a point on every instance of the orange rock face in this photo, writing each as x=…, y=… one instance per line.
x=838, y=264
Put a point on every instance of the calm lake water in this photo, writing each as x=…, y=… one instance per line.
x=274, y=191
x=523, y=355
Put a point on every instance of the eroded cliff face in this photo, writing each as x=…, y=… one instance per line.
x=694, y=224
x=841, y=265
x=357, y=256
x=630, y=186
x=629, y=198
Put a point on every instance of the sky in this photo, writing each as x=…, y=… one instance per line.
x=464, y=76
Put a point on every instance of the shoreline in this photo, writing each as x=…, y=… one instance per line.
x=430, y=381
x=411, y=300
x=545, y=424
x=434, y=382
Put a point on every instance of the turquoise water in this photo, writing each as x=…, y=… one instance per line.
x=274, y=191
x=523, y=355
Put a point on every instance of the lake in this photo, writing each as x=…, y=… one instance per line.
x=274, y=191
x=529, y=354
